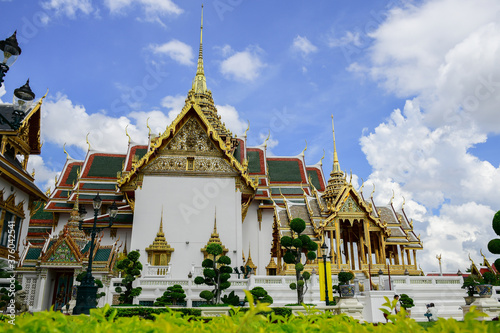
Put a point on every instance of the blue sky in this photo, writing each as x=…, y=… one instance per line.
x=413, y=87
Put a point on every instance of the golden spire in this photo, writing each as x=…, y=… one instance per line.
x=200, y=82
x=336, y=164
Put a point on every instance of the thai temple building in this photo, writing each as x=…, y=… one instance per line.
x=197, y=183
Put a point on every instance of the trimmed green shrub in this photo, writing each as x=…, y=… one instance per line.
x=172, y=296
x=131, y=268
x=216, y=274
x=295, y=246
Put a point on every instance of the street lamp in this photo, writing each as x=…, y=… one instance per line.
x=11, y=51
x=324, y=252
x=87, y=290
x=22, y=101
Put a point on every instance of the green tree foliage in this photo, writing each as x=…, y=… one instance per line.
x=260, y=295
x=295, y=246
x=216, y=274
x=172, y=296
x=494, y=244
x=131, y=268
x=406, y=301
x=231, y=299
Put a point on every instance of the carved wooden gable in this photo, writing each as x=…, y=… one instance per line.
x=191, y=150
x=350, y=206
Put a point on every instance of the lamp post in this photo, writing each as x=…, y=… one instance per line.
x=23, y=98
x=11, y=51
x=324, y=252
x=87, y=290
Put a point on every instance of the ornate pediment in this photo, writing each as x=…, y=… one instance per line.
x=191, y=150
x=61, y=254
x=191, y=138
x=350, y=206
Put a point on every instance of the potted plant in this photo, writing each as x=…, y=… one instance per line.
x=469, y=285
x=346, y=290
x=406, y=303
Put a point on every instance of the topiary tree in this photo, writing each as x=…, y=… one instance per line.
x=131, y=268
x=260, y=294
x=494, y=244
x=295, y=245
x=406, y=301
x=231, y=299
x=173, y=295
x=216, y=274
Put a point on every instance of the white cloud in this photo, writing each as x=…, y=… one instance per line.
x=440, y=55
x=303, y=45
x=348, y=38
x=231, y=118
x=2, y=92
x=44, y=175
x=176, y=50
x=153, y=9
x=68, y=7
x=243, y=66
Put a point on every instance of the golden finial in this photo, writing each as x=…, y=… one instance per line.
x=87, y=138
x=248, y=127
x=268, y=136
x=78, y=173
x=403, y=205
x=336, y=164
x=304, y=149
x=350, y=179
x=322, y=157
x=470, y=258
x=55, y=180
x=47, y=193
x=33, y=173
x=64, y=149
x=362, y=185
x=126, y=133
x=371, y=195
x=481, y=251
x=438, y=257
x=149, y=128
x=392, y=196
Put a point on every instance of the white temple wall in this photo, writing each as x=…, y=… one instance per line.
x=20, y=195
x=189, y=205
x=258, y=239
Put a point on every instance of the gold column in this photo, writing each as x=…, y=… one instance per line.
x=368, y=242
x=332, y=252
x=382, y=242
x=362, y=244
x=337, y=239
x=402, y=255
x=408, y=256
x=415, y=259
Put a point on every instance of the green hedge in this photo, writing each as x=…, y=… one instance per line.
x=148, y=313
x=102, y=320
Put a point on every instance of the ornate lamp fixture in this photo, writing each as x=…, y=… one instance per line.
x=11, y=51
x=22, y=101
x=324, y=252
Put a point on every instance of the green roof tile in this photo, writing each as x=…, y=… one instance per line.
x=42, y=215
x=72, y=174
x=99, y=186
x=102, y=254
x=33, y=253
x=253, y=162
x=284, y=171
x=105, y=166
x=140, y=152
x=314, y=177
